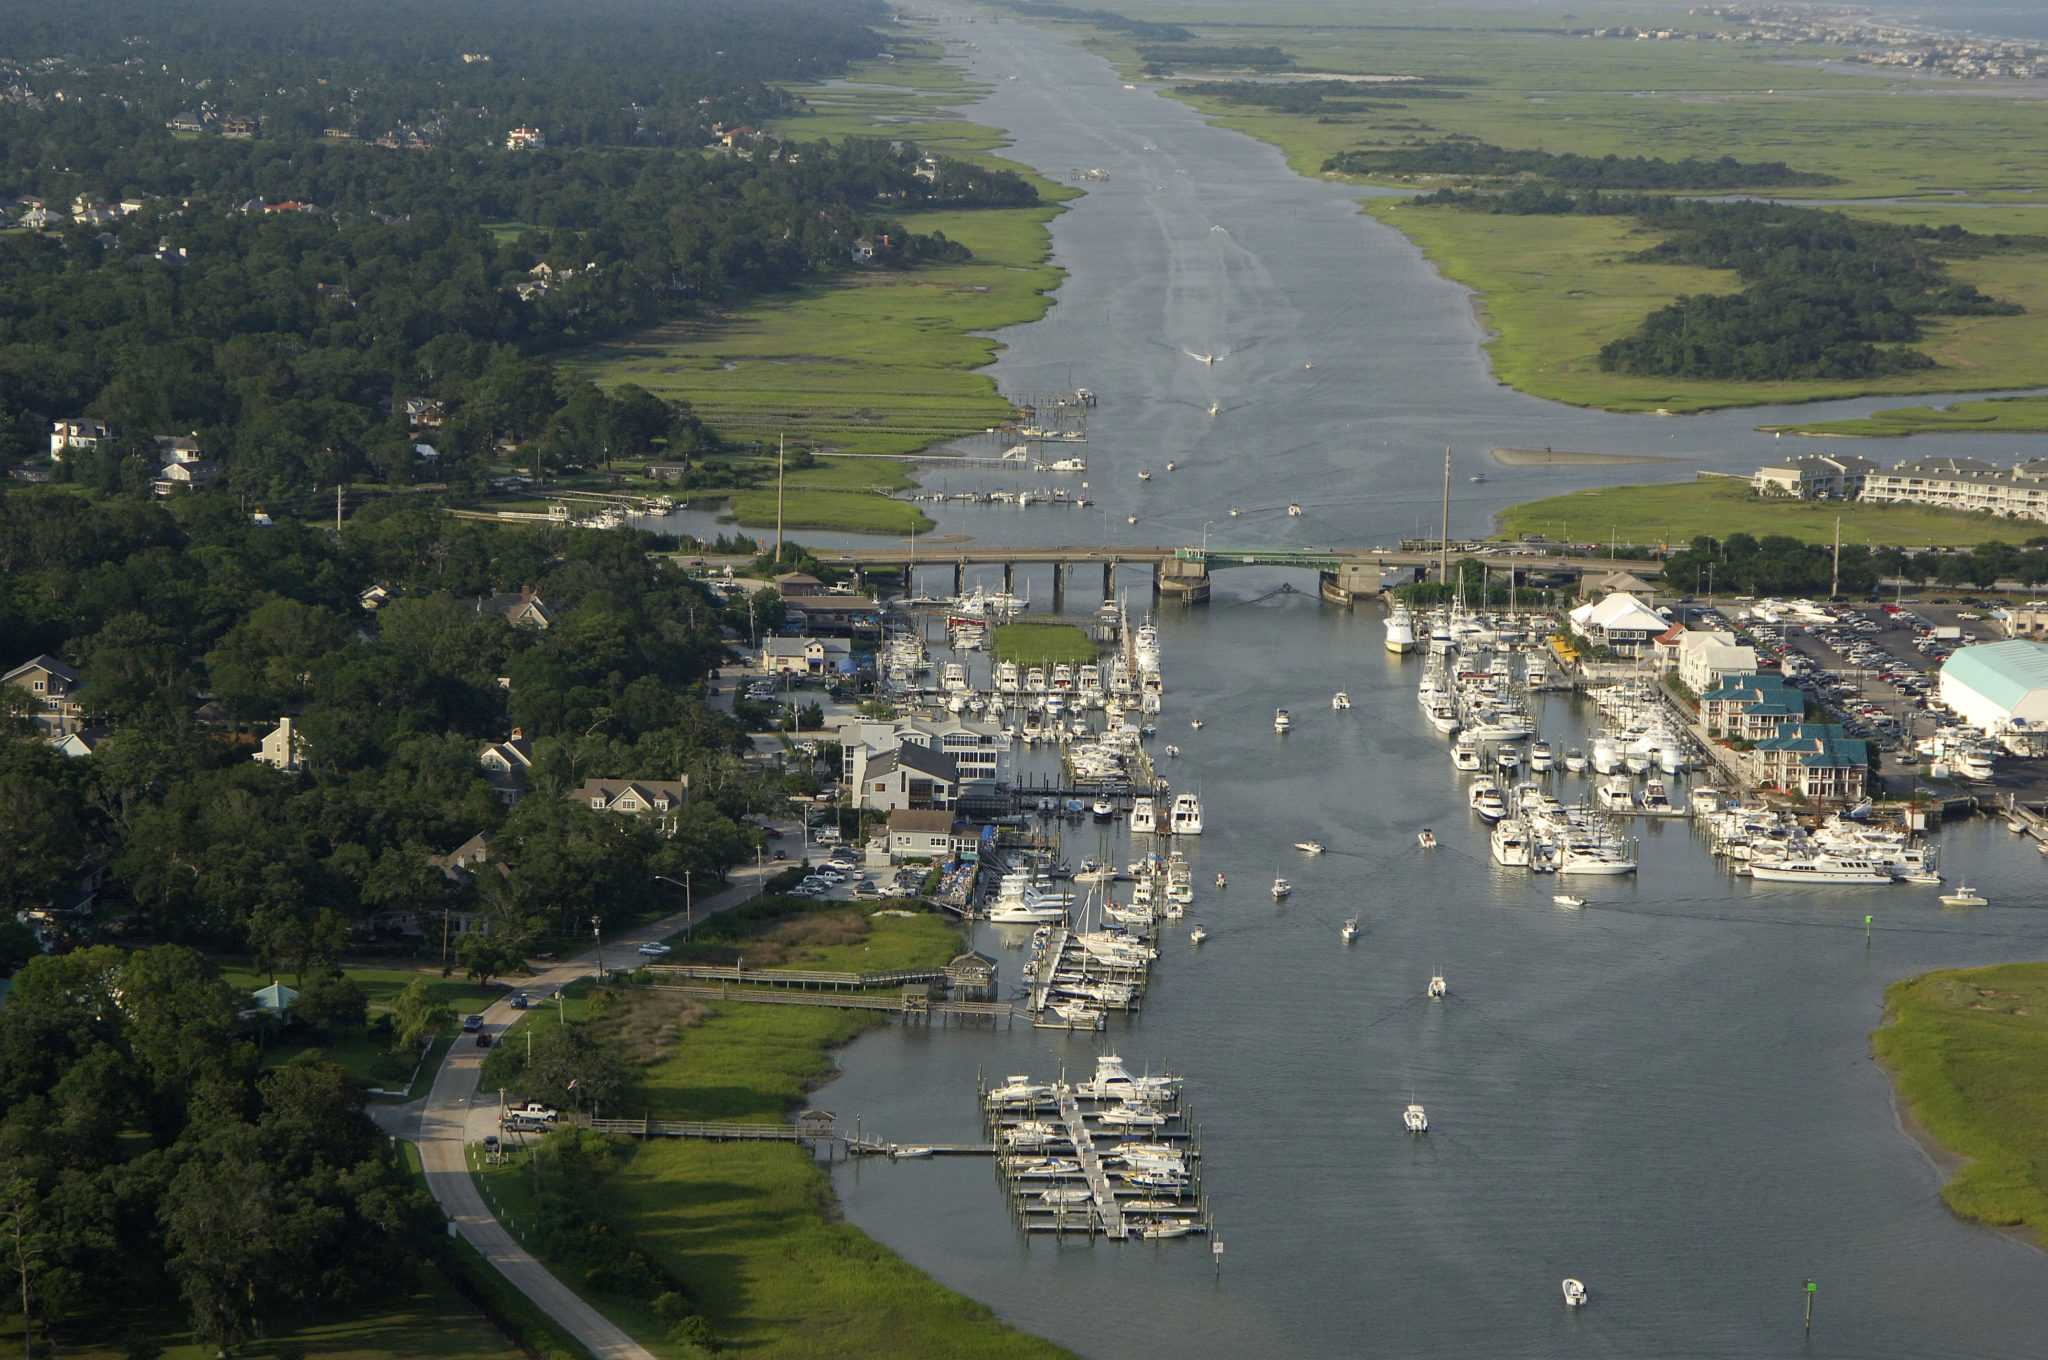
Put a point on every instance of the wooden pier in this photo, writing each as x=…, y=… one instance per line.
x=875, y=1147
x=1106, y=1207
x=906, y=1003
x=803, y=1131
x=1041, y=985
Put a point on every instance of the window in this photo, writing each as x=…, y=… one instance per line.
x=629, y=804
x=598, y=802
x=39, y=686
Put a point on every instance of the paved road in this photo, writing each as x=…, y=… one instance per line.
x=453, y=1115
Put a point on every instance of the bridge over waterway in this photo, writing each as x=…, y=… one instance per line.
x=1183, y=572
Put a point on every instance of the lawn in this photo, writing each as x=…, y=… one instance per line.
x=1968, y=1051
x=1673, y=513
x=1999, y=415
x=860, y=512
x=1042, y=644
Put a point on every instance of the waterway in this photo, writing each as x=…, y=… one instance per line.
x=1668, y=1094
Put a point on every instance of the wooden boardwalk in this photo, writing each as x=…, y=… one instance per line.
x=1041, y=986
x=1106, y=1207
x=801, y=1132
x=851, y=1001
x=794, y=977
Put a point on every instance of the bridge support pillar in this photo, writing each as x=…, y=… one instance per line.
x=959, y=578
x=1350, y=582
x=1009, y=578
x=1186, y=580
x=1109, y=580
x=860, y=577
x=1059, y=585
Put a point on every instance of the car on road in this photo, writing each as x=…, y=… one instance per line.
x=483, y=1039
x=654, y=949
x=519, y=1001
x=472, y=1023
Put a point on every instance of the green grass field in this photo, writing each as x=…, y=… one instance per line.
x=1999, y=415
x=861, y=512
x=1042, y=644
x=1676, y=512
x=1968, y=1051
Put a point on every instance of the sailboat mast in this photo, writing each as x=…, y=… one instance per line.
x=1444, y=540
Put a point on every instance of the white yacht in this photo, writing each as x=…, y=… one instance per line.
x=1281, y=888
x=1819, y=869
x=1542, y=758
x=1340, y=701
x=1400, y=626
x=1486, y=800
x=1508, y=759
x=1144, y=819
x=1965, y=896
x=1186, y=819
x=1415, y=1119
x=1575, y=760
x=1281, y=722
x=1310, y=847
x=1349, y=930
x=1617, y=794
x=1607, y=858
x=1511, y=843
x=1465, y=754
x=1574, y=1294
x=1444, y=717
x=1019, y=1090
x=1025, y=913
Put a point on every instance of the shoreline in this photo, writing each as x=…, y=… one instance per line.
x=1947, y=1162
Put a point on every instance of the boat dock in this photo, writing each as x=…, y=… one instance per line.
x=875, y=1147
x=1106, y=1208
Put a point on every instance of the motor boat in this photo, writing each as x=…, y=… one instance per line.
x=1465, y=753
x=1575, y=761
x=1067, y=1195
x=1144, y=818
x=1415, y=1119
x=1019, y=1090
x=1104, y=810
x=1281, y=888
x=1400, y=626
x=1222, y=882
x=1541, y=758
x=1133, y=1117
x=1023, y=913
x=1437, y=989
x=1819, y=869
x=1340, y=701
x=1349, y=930
x=1186, y=816
x=1965, y=896
x=1568, y=900
x=1199, y=933
x=1031, y=1133
x=1310, y=847
x=1426, y=839
x=901, y=1152
x=1195, y=723
x=1508, y=759
x=1574, y=1294
x=1294, y=509
x=1281, y=722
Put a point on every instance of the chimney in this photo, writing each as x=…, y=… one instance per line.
x=525, y=596
x=517, y=734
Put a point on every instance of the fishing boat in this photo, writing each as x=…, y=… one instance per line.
x=1222, y=882
x=1575, y=760
x=1965, y=896
x=1195, y=723
x=1400, y=626
x=1541, y=757
x=1199, y=933
x=1018, y=1090
x=1144, y=474
x=1349, y=930
x=1415, y=1119
x=1437, y=989
x=1144, y=818
x=1340, y=701
x=1426, y=838
x=1168, y=1228
x=1281, y=888
x=1568, y=900
x=1294, y=510
x=1310, y=847
x=900, y=1153
x=1574, y=1294
x=1465, y=753
x=1281, y=722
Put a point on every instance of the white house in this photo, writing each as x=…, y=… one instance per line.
x=1706, y=659
x=283, y=749
x=1620, y=621
x=979, y=751
x=921, y=834
x=81, y=433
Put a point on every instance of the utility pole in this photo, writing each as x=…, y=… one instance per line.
x=778, y=501
x=1835, y=586
x=337, y=509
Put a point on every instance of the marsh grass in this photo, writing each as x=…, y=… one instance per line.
x=1968, y=1051
x=1999, y=415
x=1042, y=644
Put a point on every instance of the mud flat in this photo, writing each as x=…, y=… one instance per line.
x=1569, y=458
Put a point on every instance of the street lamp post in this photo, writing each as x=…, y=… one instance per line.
x=689, y=908
x=1205, y=537
x=597, y=933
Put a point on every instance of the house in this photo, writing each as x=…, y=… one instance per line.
x=186, y=122
x=276, y=998
x=239, y=125
x=805, y=656
x=1751, y=707
x=1814, y=476
x=525, y=139
x=334, y=292
x=1817, y=760
x=506, y=764
x=862, y=251
x=798, y=585
x=921, y=834
x=1620, y=621
x=195, y=476
x=979, y=751
x=667, y=472
x=81, y=743
x=522, y=610
x=180, y=448
x=284, y=749
x=663, y=799
x=911, y=776
x=51, y=683
x=424, y=411
x=1706, y=660
x=427, y=453
x=82, y=433
x=375, y=597
x=1624, y=582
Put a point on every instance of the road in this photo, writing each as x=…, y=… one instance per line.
x=452, y=1116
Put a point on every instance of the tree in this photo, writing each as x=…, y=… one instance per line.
x=417, y=1013
x=331, y=1002
x=570, y=1067
x=484, y=955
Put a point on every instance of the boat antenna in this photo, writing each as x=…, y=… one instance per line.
x=1444, y=541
